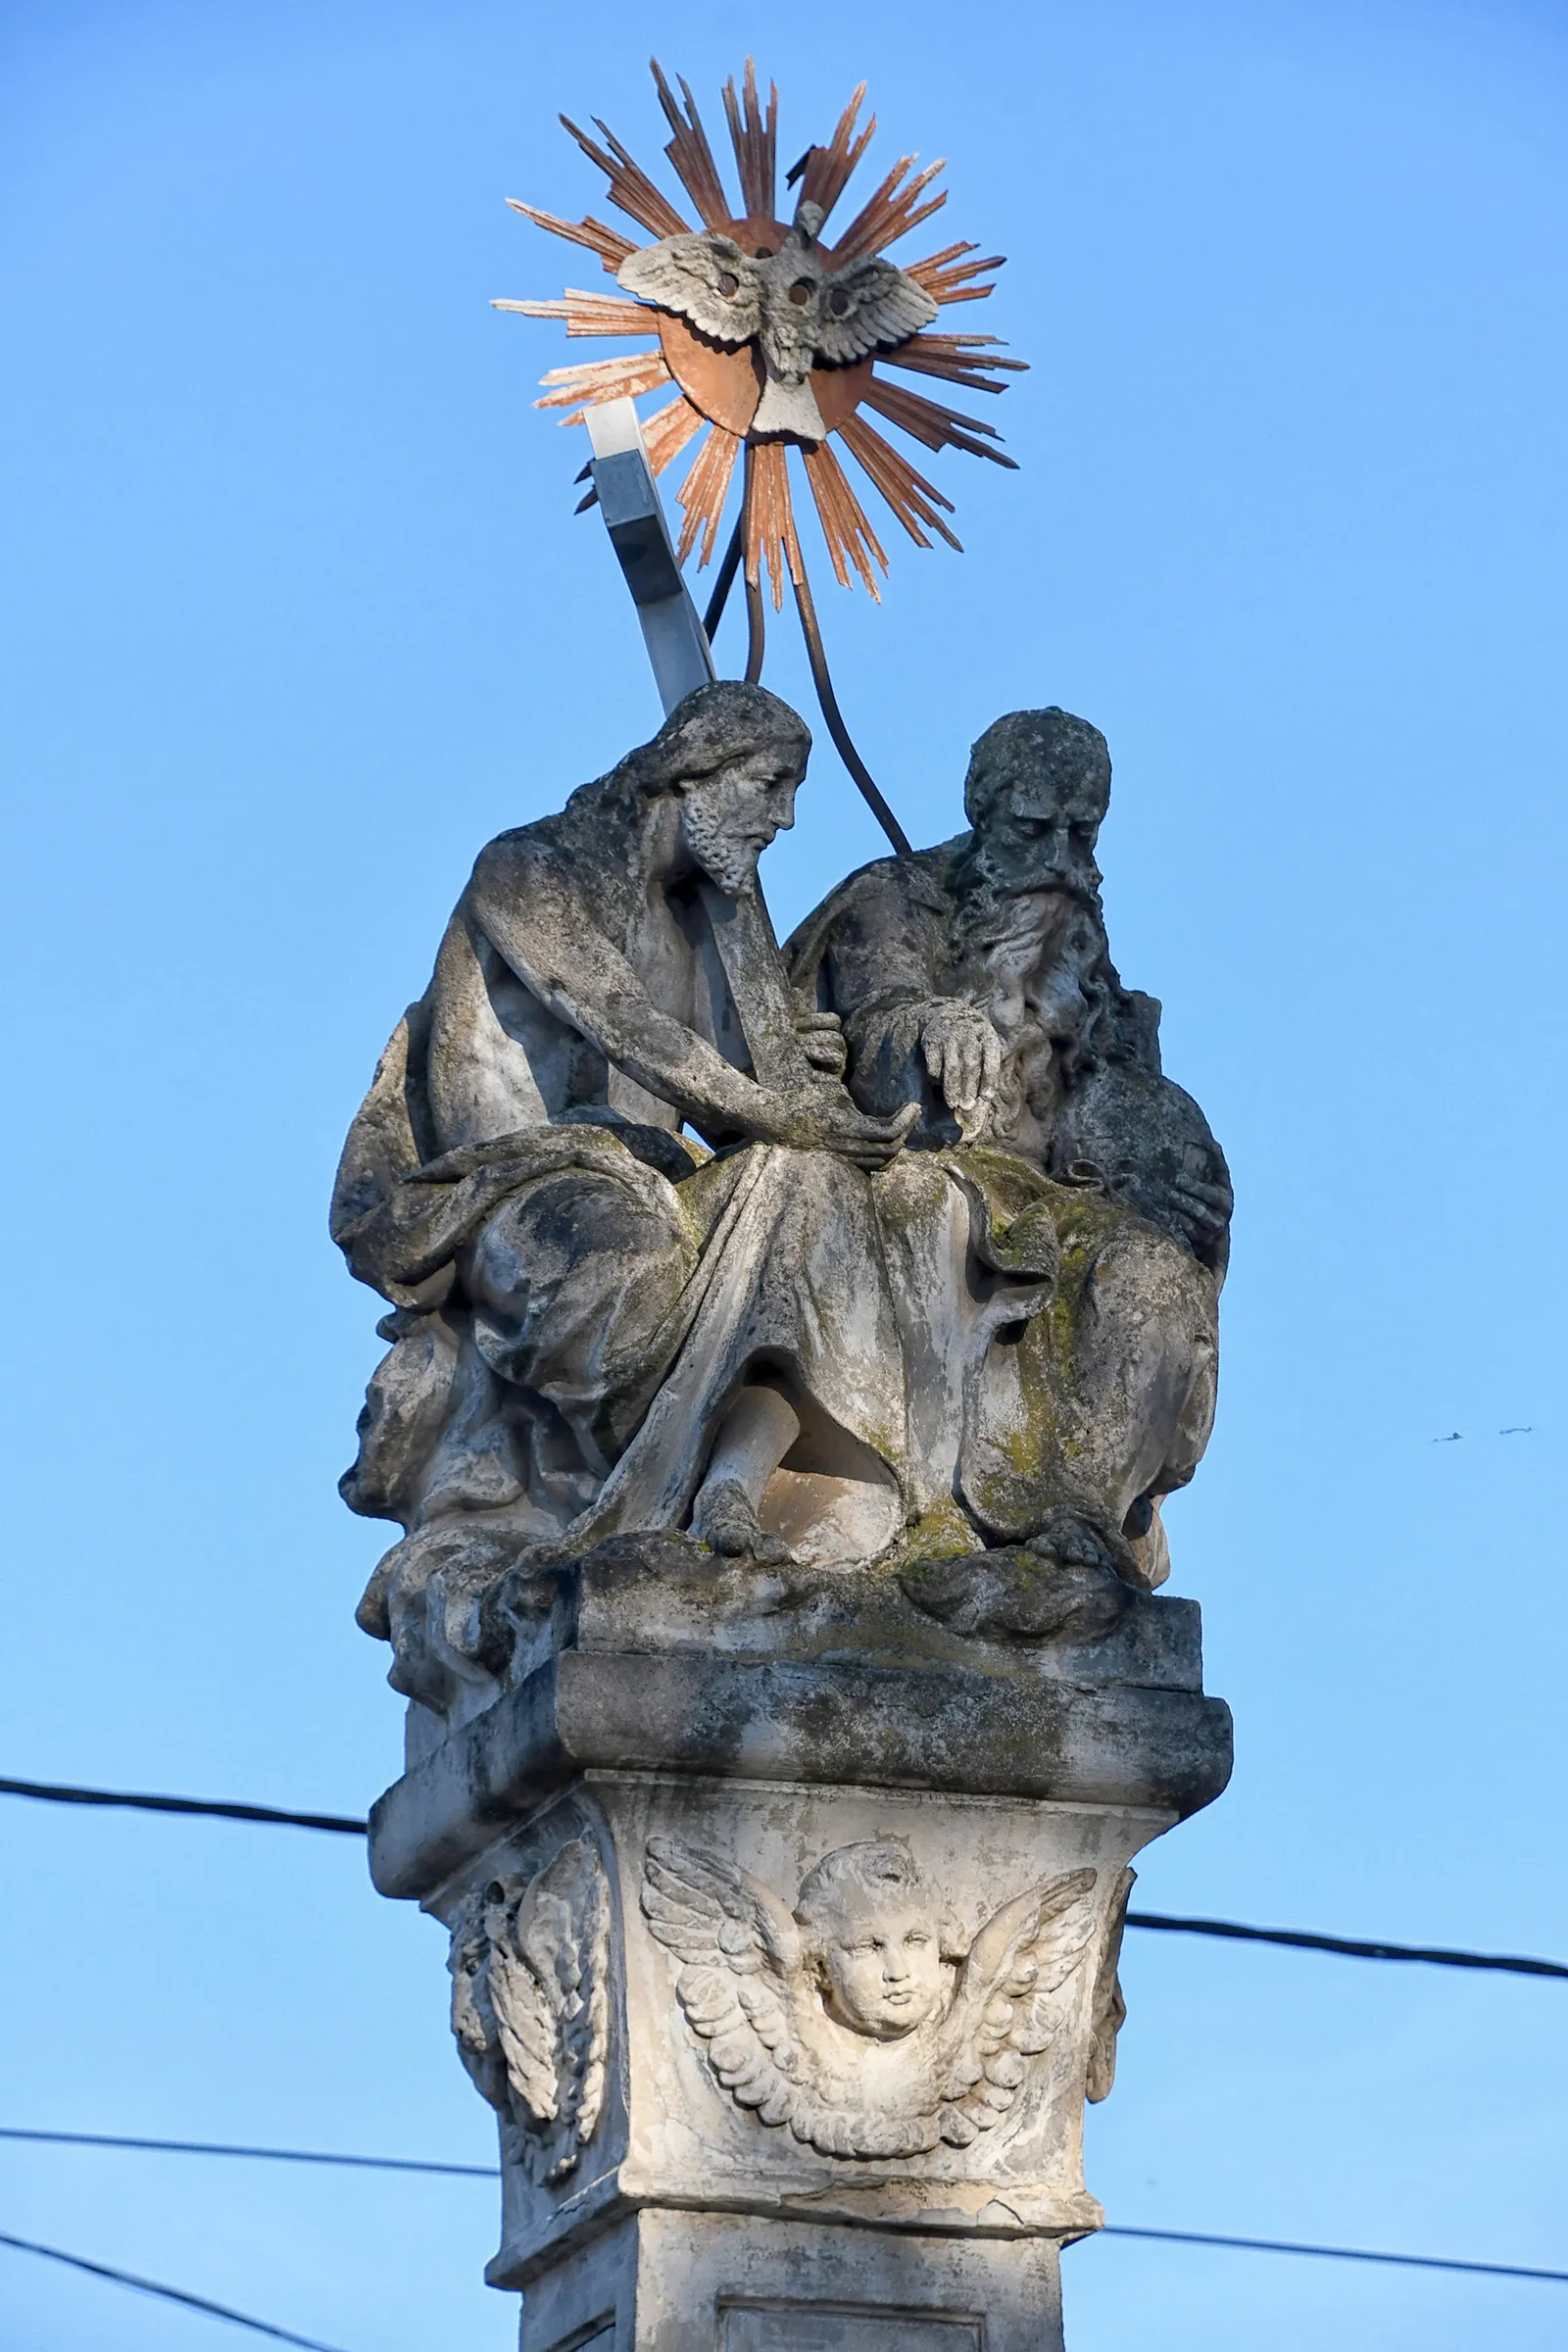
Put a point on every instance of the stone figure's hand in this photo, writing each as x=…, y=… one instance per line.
x=1201, y=1210
x=813, y=1118
x=963, y=1055
x=822, y=1036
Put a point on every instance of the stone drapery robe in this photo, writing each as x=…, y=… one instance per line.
x=1081, y=1079
x=1106, y=1400
x=579, y=1292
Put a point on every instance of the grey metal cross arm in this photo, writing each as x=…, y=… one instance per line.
x=629, y=501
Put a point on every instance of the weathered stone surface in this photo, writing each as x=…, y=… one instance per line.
x=789, y=1685
x=820, y=1720
x=1005, y=1613
x=531, y=2002
x=976, y=981
x=678, y=2281
x=828, y=2003
x=818, y=1349
x=666, y=1593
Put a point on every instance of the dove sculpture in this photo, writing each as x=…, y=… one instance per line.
x=800, y=312
x=771, y=339
x=776, y=343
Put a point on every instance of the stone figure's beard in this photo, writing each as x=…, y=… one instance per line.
x=1001, y=924
x=997, y=909
x=727, y=859
x=988, y=875
x=993, y=910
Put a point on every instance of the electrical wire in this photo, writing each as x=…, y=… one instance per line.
x=216, y=2148
x=1298, y=1939
x=1437, y=1955
x=53, y=1792
x=170, y=2294
x=1283, y=2245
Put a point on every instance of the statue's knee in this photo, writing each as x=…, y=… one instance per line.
x=541, y=1237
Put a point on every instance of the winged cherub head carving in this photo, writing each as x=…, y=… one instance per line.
x=798, y=311
x=845, y=2019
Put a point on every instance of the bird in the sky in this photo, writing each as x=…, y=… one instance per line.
x=1520, y=1429
x=1453, y=1438
x=801, y=314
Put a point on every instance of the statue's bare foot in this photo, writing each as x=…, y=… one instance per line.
x=726, y=1518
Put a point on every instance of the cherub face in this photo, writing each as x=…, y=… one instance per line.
x=881, y=1965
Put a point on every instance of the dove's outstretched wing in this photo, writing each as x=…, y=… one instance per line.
x=703, y=277
x=869, y=305
x=741, y=1951
x=1005, y=2012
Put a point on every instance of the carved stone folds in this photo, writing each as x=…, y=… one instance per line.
x=776, y=1595
x=531, y=2002
x=743, y=1926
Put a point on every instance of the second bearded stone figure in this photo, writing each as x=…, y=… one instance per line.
x=933, y=1296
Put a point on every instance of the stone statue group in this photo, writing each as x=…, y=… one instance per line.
x=890, y=1251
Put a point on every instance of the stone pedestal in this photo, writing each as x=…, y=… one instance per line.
x=667, y=2281
x=784, y=1930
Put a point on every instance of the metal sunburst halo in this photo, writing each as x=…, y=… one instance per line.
x=774, y=338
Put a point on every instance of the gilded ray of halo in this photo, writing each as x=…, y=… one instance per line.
x=717, y=389
x=705, y=490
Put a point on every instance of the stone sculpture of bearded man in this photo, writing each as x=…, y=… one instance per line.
x=657, y=1270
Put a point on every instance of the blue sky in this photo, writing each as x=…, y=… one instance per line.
x=298, y=616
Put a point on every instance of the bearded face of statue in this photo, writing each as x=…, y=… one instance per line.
x=729, y=818
x=1040, y=833
x=1037, y=793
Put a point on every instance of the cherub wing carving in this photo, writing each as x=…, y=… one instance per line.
x=531, y=2002
x=749, y=1996
x=869, y=305
x=741, y=1955
x=1005, y=2011
x=1109, y=2012
x=703, y=277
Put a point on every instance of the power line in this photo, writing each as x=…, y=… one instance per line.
x=1283, y=2245
x=52, y=1793
x=1299, y=1939
x=215, y=2148
x=170, y=2294
x=1437, y=1955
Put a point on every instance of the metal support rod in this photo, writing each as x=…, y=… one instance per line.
x=725, y=579
x=756, y=631
x=756, y=622
x=836, y=727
